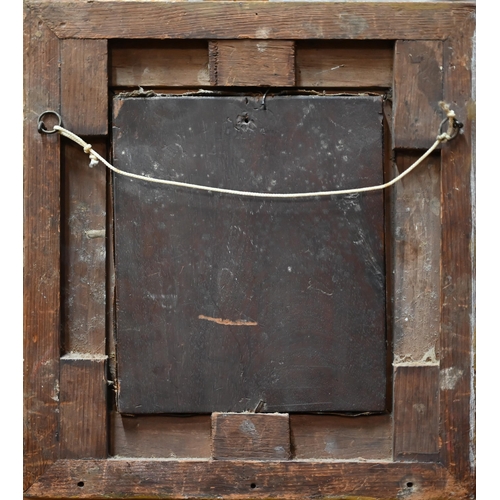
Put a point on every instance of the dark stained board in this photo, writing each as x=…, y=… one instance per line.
x=223, y=301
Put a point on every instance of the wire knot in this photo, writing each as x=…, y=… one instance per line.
x=93, y=158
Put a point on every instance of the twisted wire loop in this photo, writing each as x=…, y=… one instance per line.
x=452, y=131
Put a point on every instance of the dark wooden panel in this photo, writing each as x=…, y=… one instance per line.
x=223, y=302
x=84, y=251
x=418, y=88
x=341, y=438
x=416, y=410
x=84, y=86
x=41, y=249
x=252, y=63
x=263, y=20
x=344, y=64
x=250, y=436
x=416, y=279
x=161, y=436
x=457, y=274
x=159, y=63
x=83, y=427
x=242, y=480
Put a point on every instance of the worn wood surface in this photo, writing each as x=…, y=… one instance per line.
x=249, y=299
x=83, y=424
x=344, y=64
x=84, y=86
x=418, y=88
x=341, y=438
x=150, y=63
x=252, y=63
x=41, y=248
x=416, y=247
x=162, y=436
x=416, y=410
x=259, y=20
x=84, y=251
x=250, y=436
x=457, y=297
x=243, y=480
x=338, y=64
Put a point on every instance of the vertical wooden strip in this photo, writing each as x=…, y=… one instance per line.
x=418, y=88
x=84, y=251
x=41, y=251
x=83, y=408
x=416, y=281
x=457, y=264
x=84, y=86
x=250, y=436
x=252, y=62
x=416, y=410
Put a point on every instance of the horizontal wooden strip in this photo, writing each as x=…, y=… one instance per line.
x=154, y=63
x=160, y=436
x=250, y=62
x=164, y=63
x=263, y=436
x=349, y=63
x=341, y=438
x=242, y=480
x=83, y=424
x=258, y=20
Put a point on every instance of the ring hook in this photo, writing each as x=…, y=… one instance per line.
x=41, y=126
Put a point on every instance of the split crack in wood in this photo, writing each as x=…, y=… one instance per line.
x=228, y=322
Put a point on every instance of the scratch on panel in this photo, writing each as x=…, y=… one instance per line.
x=220, y=321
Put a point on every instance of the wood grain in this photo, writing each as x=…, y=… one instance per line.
x=457, y=262
x=84, y=86
x=416, y=411
x=418, y=88
x=153, y=63
x=416, y=247
x=83, y=425
x=344, y=64
x=259, y=20
x=249, y=299
x=160, y=436
x=250, y=436
x=241, y=480
x=41, y=248
x=84, y=251
x=341, y=438
x=252, y=63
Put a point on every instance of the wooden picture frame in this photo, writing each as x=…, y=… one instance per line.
x=76, y=53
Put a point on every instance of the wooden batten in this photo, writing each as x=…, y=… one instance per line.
x=151, y=63
x=241, y=480
x=341, y=438
x=84, y=86
x=83, y=420
x=344, y=64
x=418, y=88
x=258, y=20
x=84, y=251
x=457, y=312
x=41, y=251
x=160, y=436
x=252, y=63
x=416, y=411
x=250, y=436
x=416, y=248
